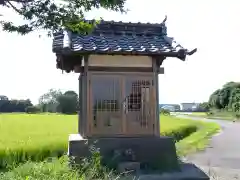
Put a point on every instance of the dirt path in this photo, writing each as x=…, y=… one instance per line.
x=223, y=154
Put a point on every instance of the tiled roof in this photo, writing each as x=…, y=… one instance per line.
x=121, y=38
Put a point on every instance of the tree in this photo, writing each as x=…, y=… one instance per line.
x=56, y=101
x=2, y=97
x=228, y=97
x=32, y=109
x=214, y=99
x=14, y=105
x=71, y=93
x=53, y=16
x=165, y=112
x=68, y=102
x=203, y=106
x=49, y=101
x=236, y=106
x=234, y=99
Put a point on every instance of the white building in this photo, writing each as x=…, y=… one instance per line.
x=188, y=106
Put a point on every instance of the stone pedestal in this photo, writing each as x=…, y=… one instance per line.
x=150, y=152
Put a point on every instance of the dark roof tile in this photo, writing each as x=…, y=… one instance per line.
x=121, y=38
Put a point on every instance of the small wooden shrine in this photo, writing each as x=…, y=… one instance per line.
x=119, y=64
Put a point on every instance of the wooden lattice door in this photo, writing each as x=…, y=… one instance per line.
x=139, y=104
x=105, y=104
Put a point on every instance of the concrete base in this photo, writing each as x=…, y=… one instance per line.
x=145, y=155
x=151, y=152
x=188, y=172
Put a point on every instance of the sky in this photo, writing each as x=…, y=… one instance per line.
x=28, y=66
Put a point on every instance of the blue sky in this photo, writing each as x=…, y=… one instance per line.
x=28, y=68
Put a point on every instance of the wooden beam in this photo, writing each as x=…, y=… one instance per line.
x=118, y=69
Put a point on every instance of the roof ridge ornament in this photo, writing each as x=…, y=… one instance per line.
x=192, y=52
x=164, y=20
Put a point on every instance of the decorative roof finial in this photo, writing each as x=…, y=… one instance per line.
x=165, y=19
x=192, y=52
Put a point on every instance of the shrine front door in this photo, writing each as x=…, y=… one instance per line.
x=105, y=104
x=138, y=106
x=121, y=104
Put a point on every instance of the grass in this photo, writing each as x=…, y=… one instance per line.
x=54, y=170
x=177, y=128
x=223, y=115
x=198, y=114
x=34, y=137
x=194, y=141
x=58, y=169
x=198, y=140
x=169, y=124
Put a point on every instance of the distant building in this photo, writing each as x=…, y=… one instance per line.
x=170, y=107
x=189, y=106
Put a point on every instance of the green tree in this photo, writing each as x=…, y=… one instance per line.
x=68, y=102
x=165, y=112
x=49, y=101
x=53, y=16
x=214, y=100
x=204, y=106
x=226, y=98
x=56, y=101
x=236, y=106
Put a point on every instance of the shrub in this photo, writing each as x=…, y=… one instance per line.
x=164, y=112
x=32, y=109
x=237, y=115
x=181, y=133
x=210, y=113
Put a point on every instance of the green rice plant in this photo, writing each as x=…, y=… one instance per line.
x=177, y=128
x=35, y=137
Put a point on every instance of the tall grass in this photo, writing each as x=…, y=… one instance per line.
x=59, y=169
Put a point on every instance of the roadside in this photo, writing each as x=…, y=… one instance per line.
x=191, y=135
x=198, y=140
x=221, y=158
x=220, y=115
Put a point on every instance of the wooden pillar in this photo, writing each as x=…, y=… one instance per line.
x=83, y=117
x=88, y=120
x=159, y=61
x=157, y=111
x=155, y=81
x=80, y=103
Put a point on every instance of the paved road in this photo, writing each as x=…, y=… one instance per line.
x=223, y=154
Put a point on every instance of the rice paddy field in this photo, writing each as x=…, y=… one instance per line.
x=37, y=136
